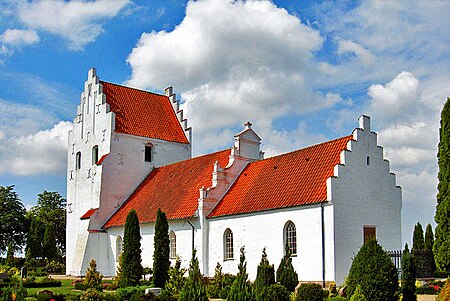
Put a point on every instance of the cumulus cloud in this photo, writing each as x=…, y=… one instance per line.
x=77, y=21
x=253, y=61
x=19, y=37
x=39, y=153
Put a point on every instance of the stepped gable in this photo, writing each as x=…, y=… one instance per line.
x=288, y=180
x=174, y=188
x=142, y=113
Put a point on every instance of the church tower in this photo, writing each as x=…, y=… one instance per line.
x=119, y=135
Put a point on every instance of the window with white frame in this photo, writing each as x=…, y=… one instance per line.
x=119, y=247
x=173, y=244
x=228, y=245
x=290, y=237
x=95, y=154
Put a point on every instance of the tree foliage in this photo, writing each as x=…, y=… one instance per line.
x=418, y=239
x=10, y=254
x=51, y=209
x=240, y=289
x=34, y=239
x=286, y=274
x=175, y=283
x=374, y=271
x=265, y=276
x=217, y=282
x=408, y=276
x=194, y=289
x=161, y=262
x=12, y=219
x=444, y=294
x=429, y=241
x=131, y=257
x=442, y=216
x=50, y=250
x=358, y=295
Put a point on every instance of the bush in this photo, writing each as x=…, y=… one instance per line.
x=336, y=298
x=374, y=271
x=228, y=280
x=91, y=295
x=93, y=278
x=286, y=274
x=265, y=277
x=444, y=295
x=358, y=295
x=56, y=267
x=275, y=292
x=194, y=288
x=125, y=293
x=311, y=292
x=41, y=282
x=427, y=290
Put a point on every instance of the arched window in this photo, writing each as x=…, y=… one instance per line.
x=228, y=244
x=78, y=161
x=173, y=244
x=290, y=237
x=148, y=157
x=95, y=154
x=119, y=247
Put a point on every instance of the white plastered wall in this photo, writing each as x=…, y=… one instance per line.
x=363, y=195
x=265, y=229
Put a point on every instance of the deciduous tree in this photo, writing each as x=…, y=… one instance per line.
x=442, y=216
x=12, y=219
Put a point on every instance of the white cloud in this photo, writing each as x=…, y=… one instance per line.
x=253, y=61
x=19, y=37
x=41, y=153
x=79, y=22
x=348, y=46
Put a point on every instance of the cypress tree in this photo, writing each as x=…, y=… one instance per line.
x=429, y=241
x=240, y=289
x=286, y=274
x=50, y=250
x=10, y=254
x=418, y=240
x=34, y=242
x=408, y=276
x=194, y=288
x=161, y=262
x=442, y=216
x=265, y=276
x=131, y=271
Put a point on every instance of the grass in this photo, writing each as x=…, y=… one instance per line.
x=66, y=287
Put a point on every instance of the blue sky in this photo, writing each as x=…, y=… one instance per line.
x=301, y=71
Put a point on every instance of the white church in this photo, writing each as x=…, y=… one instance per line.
x=131, y=149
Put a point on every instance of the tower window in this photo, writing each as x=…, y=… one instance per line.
x=95, y=154
x=119, y=247
x=78, y=161
x=148, y=152
x=368, y=160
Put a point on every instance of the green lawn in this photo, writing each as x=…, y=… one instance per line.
x=66, y=287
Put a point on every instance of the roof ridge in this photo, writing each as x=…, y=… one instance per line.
x=303, y=149
x=132, y=88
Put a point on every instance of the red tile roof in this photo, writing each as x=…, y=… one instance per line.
x=174, y=188
x=143, y=113
x=99, y=162
x=288, y=180
x=88, y=214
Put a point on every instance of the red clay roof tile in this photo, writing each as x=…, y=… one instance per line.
x=288, y=180
x=143, y=113
x=174, y=188
x=88, y=214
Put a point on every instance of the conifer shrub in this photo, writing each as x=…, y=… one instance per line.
x=408, y=276
x=93, y=278
x=265, y=277
x=241, y=289
x=161, y=262
x=274, y=292
x=194, y=289
x=286, y=274
x=358, y=295
x=175, y=283
x=131, y=257
x=336, y=298
x=228, y=280
x=375, y=272
x=216, y=283
x=311, y=292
